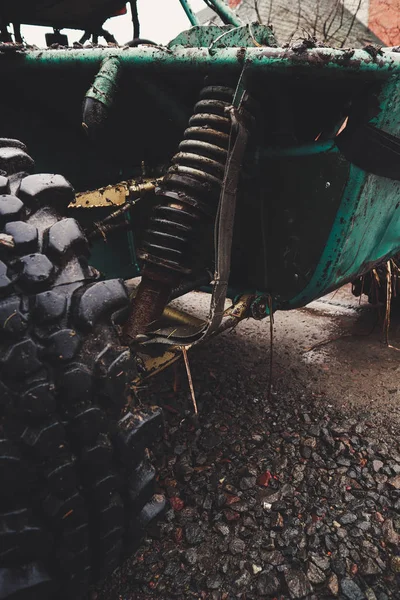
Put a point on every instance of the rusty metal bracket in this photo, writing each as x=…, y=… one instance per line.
x=115, y=195
x=169, y=350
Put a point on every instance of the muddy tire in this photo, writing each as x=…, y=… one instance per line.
x=76, y=484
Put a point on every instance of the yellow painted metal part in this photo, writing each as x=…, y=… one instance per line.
x=240, y=309
x=114, y=195
x=180, y=317
x=155, y=364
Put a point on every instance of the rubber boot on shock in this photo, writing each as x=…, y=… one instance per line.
x=189, y=196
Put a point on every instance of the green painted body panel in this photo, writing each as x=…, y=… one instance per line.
x=367, y=225
x=285, y=237
x=105, y=84
x=225, y=36
x=308, y=221
x=322, y=62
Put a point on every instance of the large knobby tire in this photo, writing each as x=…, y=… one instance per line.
x=76, y=484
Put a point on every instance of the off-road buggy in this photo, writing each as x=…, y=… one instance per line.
x=221, y=162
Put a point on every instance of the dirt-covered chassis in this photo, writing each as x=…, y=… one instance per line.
x=283, y=185
x=354, y=232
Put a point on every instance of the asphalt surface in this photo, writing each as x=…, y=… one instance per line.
x=289, y=492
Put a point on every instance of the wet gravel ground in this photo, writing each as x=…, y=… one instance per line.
x=288, y=495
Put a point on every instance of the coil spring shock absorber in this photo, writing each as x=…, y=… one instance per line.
x=189, y=197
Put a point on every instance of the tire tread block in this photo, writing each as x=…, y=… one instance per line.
x=63, y=345
x=46, y=189
x=141, y=485
x=14, y=159
x=32, y=579
x=66, y=238
x=12, y=321
x=22, y=538
x=136, y=432
x=64, y=385
x=25, y=236
x=21, y=360
x=11, y=209
x=36, y=271
x=100, y=300
x=49, y=306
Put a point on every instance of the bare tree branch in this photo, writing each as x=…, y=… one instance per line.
x=298, y=14
x=351, y=23
x=270, y=11
x=332, y=21
x=339, y=27
x=331, y=18
x=316, y=17
x=256, y=8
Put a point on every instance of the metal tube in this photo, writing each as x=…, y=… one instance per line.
x=225, y=13
x=105, y=85
x=322, y=61
x=180, y=317
x=189, y=13
x=135, y=19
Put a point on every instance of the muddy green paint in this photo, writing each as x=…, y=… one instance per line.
x=367, y=224
x=363, y=225
x=306, y=150
x=105, y=85
x=225, y=36
x=189, y=13
x=320, y=62
x=224, y=12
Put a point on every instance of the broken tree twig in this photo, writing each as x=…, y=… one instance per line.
x=271, y=355
x=189, y=376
